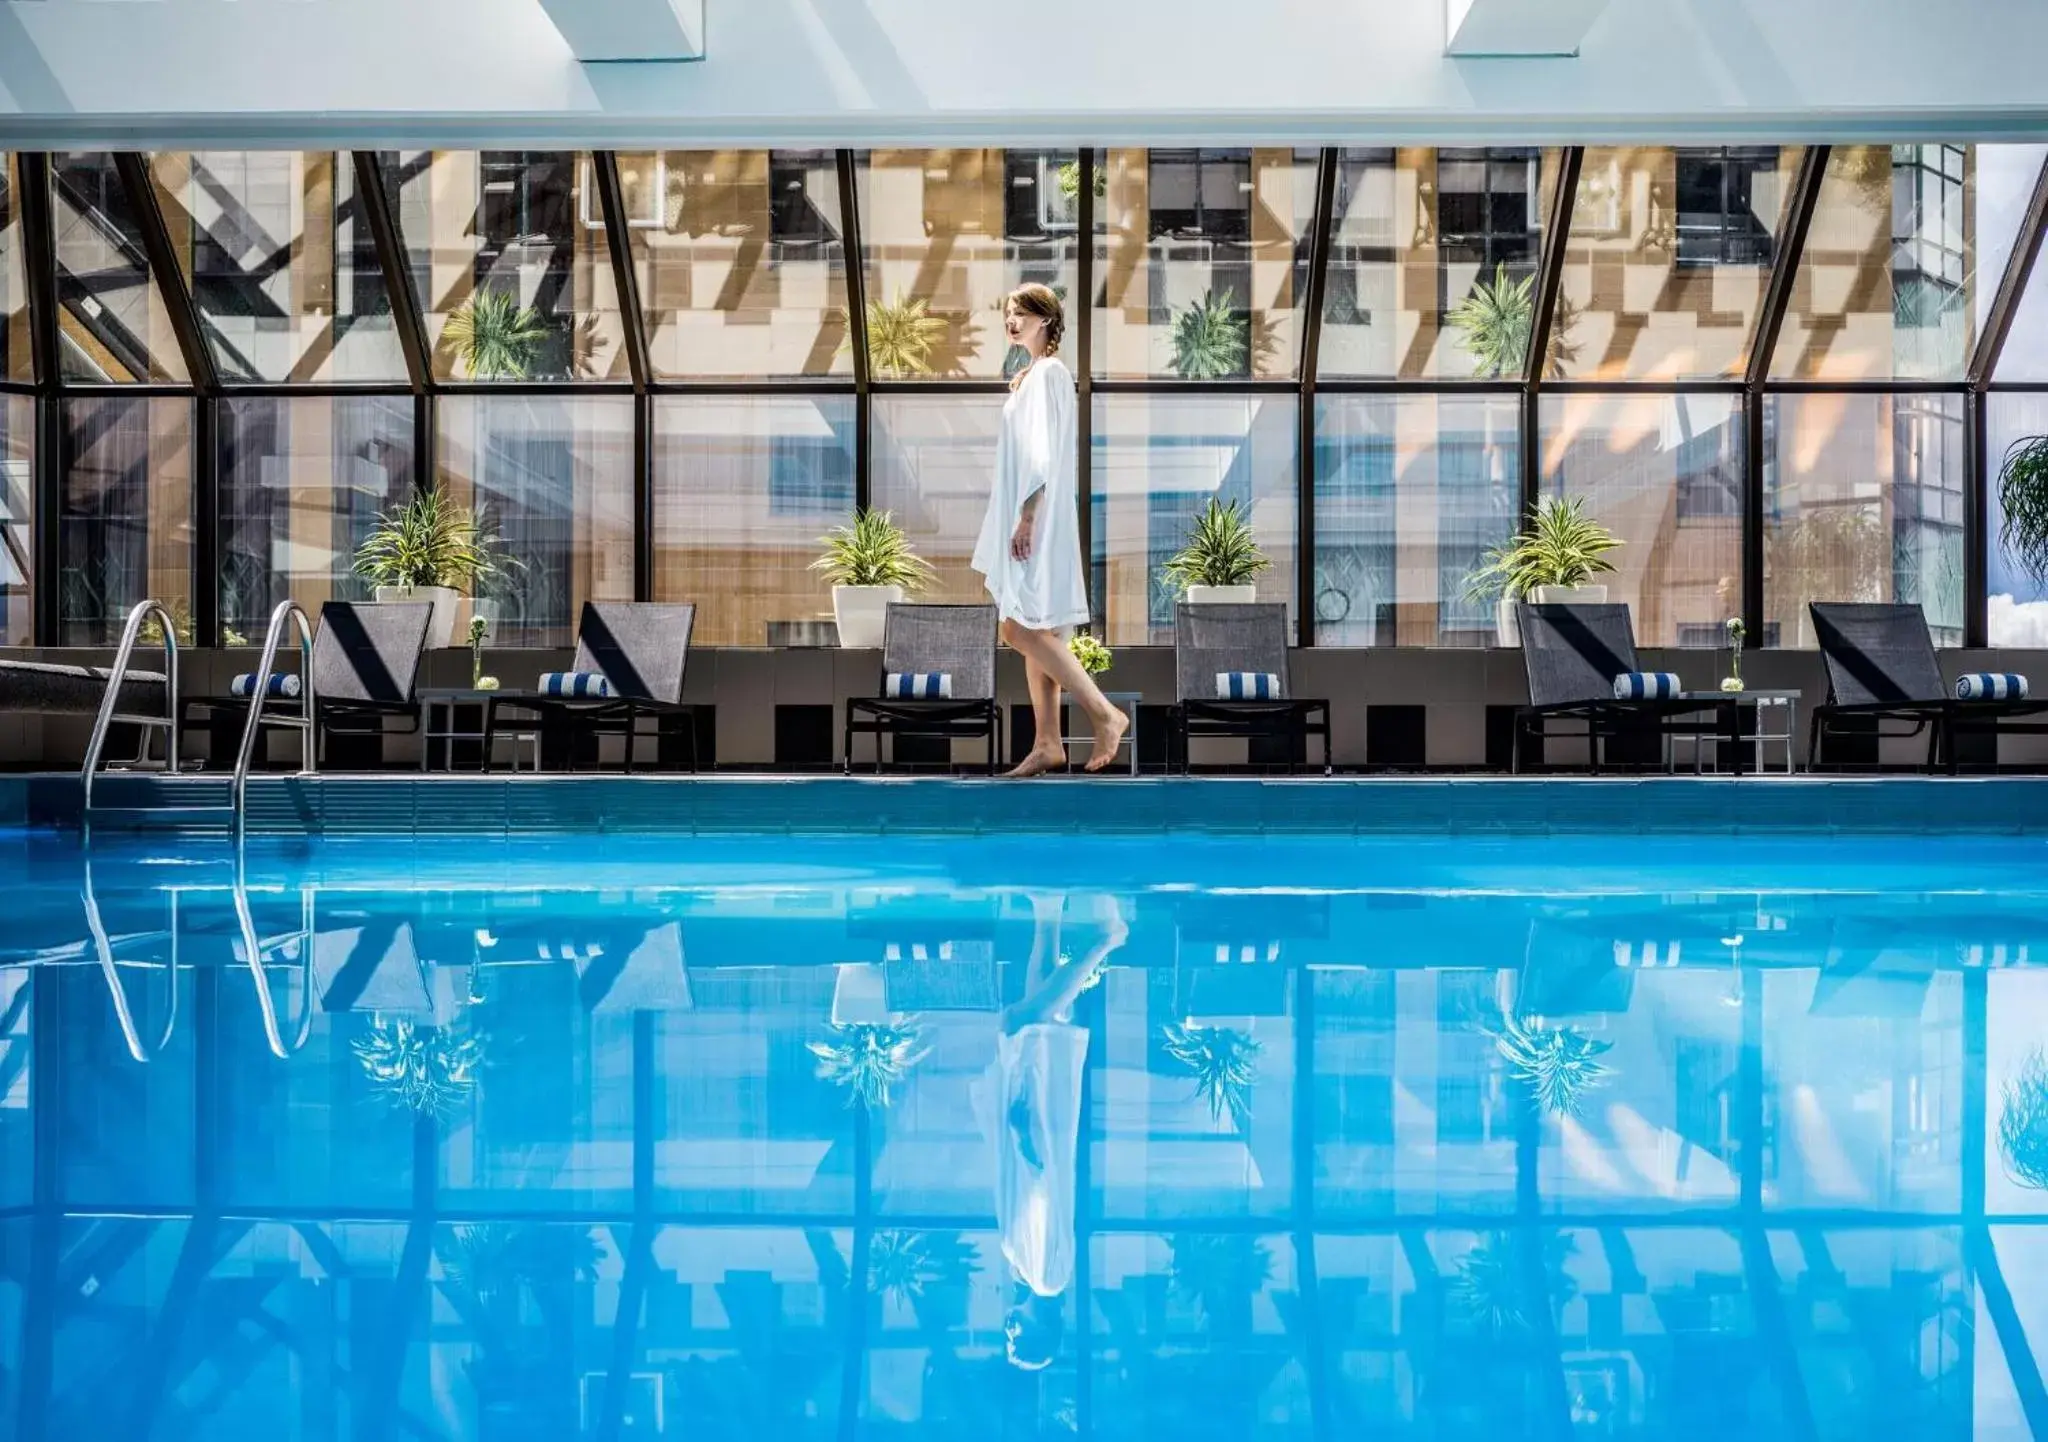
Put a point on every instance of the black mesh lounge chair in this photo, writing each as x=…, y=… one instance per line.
x=1573, y=654
x=954, y=641
x=640, y=648
x=366, y=662
x=1211, y=640
x=1882, y=668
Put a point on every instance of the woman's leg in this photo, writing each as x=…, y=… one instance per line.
x=1048, y=750
x=1053, y=657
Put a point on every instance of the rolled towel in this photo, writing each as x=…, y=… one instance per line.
x=282, y=684
x=1646, y=686
x=574, y=683
x=1247, y=686
x=918, y=686
x=1991, y=686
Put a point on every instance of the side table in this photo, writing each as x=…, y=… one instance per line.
x=1124, y=701
x=448, y=700
x=1755, y=708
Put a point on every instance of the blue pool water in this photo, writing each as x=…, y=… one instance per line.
x=1252, y=1137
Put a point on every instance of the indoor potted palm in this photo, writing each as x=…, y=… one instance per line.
x=2023, y=505
x=426, y=550
x=871, y=566
x=1221, y=559
x=1551, y=562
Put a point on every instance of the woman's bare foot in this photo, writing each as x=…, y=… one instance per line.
x=1041, y=760
x=1109, y=735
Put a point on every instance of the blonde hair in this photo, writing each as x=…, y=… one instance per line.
x=1043, y=302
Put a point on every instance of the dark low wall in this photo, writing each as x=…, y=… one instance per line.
x=1395, y=708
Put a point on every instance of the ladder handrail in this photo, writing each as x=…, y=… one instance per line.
x=104, y=948
x=252, y=953
x=309, y=756
x=110, y=703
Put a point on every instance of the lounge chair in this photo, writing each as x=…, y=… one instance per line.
x=956, y=643
x=1212, y=642
x=1573, y=655
x=1882, y=668
x=366, y=663
x=639, y=648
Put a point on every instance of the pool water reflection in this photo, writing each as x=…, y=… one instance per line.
x=1600, y=1138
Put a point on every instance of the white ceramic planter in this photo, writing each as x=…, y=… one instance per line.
x=863, y=614
x=1507, y=622
x=1222, y=595
x=1570, y=596
x=441, y=624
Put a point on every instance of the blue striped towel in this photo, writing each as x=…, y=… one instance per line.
x=1247, y=686
x=918, y=686
x=1991, y=686
x=574, y=683
x=1646, y=686
x=281, y=684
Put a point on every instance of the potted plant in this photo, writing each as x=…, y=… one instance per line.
x=1090, y=652
x=871, y=567
x=870, y=1061
x=1224, y=1063
x=424, y=551
x=1209, y=339
x=1557, y=1063
x=2023, y=505
x=1552, y=561
x=495, y=337
x=1220, y=559
x=1493, y=323
x=2023, y=1124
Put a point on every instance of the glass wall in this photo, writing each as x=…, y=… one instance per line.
x=743, y=488
x=1664, y=473
x=1158, y=461
x=552, y=475
x=124, y=532
x=2016, y=598
x=740, y=261
x=1411, y=492
x=1863, y=501
x=17, y=520
x=302, y=482
x=711, y=472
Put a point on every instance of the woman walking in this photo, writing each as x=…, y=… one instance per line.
x=1030, y=545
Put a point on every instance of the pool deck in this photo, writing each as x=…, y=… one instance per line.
x=403, y=805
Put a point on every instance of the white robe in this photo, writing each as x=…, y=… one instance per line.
x=1035, y=450
x=1039, y=1065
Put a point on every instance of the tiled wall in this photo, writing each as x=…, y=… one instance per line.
x=1397, y=708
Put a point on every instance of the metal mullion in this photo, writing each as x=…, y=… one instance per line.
x=1323, y=221
x=625, y=279
x=797, y=386
x=2012, y=286
x=954, y=387
x=564, y=388
x=287, y=390
x=2016, y=388
x=1805, y=197
x=643, y=497
x=374, y=202
x=1164, y=386
x=1393, y=385
x=1976, y=519
x=20, y=388
x=206, y=512
x=856, y=328
x=151, y=390
x=426, y=440
x=46, y=480
x=1085, y=162
x=1867, y=386
x=179, y=308
x=1733, y=386
x=1557, y=234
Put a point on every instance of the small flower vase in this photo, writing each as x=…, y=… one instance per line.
x=1733, y=680
x=476, y=666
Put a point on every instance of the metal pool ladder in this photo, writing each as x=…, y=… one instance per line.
x=288, y=614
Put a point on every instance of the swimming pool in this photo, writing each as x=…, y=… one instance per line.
x=1274, y=1134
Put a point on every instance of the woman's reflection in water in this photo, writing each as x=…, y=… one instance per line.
x=1029, y=1104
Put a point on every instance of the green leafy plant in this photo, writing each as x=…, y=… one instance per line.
x=1210, y=339
x=2023, y=505
x=1494, y=320
x=2023, y=1124
x=1069, y=179
x=1557, y=1063
x=1562, y=547
x=495, y=337
x=905, y=1265
x=1090, y=652
x=1220, y=551
x=182, y=625
x=1224, y=1063
x=1489, y=1286
x=873, y=551
x=432, y=540
x=870, y=1061
x=1220, y=1272
x=902, y=335
x=427, y=1070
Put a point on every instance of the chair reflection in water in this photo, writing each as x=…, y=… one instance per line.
x=1028, y=1103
